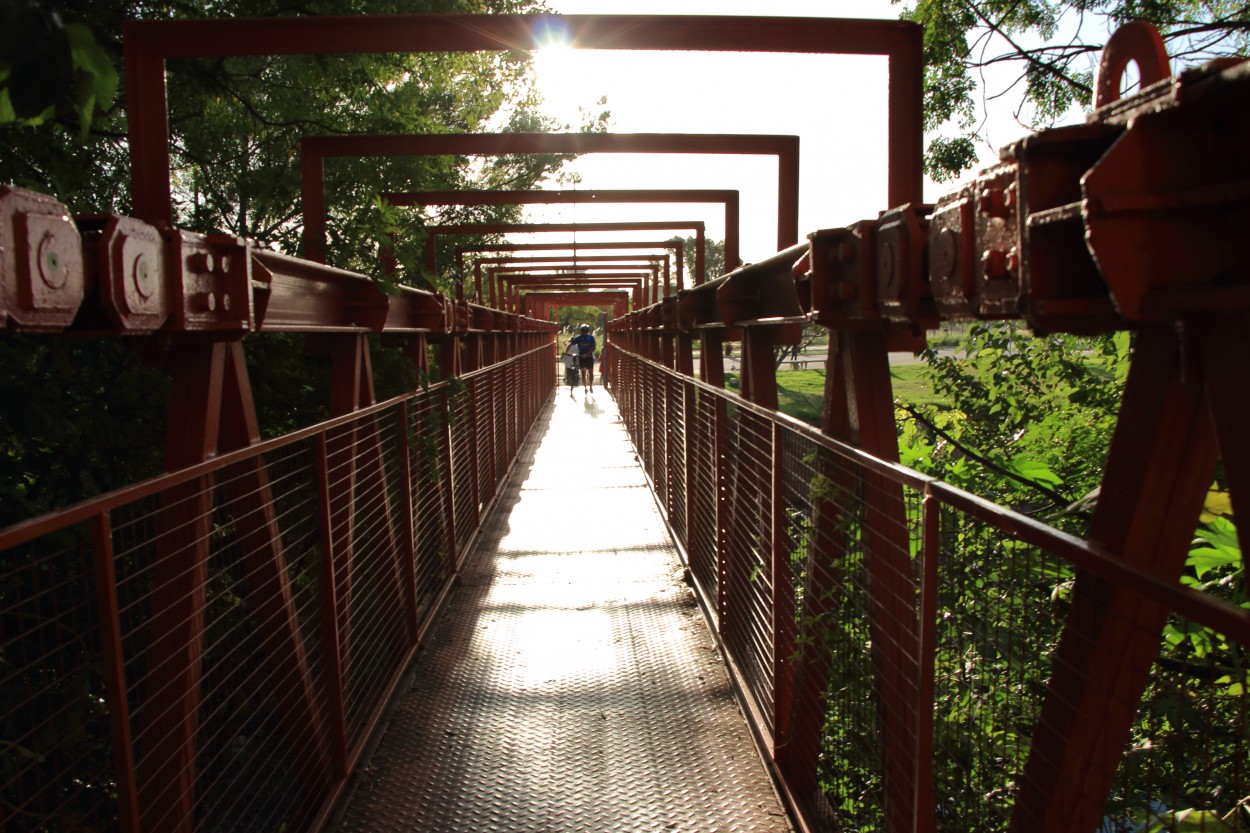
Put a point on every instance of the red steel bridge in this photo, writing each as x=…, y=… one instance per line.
x=334, y=628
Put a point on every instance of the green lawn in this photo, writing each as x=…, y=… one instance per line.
x=800, y=393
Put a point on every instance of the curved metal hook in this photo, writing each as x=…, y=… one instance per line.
x=1136, y=42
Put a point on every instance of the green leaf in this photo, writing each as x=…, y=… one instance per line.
x=1030, y=469
x=89, y=57
x=1188, y=821
x=1217, y=503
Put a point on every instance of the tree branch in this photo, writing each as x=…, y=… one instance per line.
x=1055, y=497
x=1026, y=54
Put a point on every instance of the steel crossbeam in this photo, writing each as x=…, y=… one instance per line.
x=730, y=200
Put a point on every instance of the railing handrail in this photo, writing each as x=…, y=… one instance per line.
x=28, y=530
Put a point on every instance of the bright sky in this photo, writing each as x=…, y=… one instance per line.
x=835, y=104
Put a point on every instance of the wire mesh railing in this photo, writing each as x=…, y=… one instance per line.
x=212, y=649
x=893, y=638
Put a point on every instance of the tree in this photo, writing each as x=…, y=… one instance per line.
x=713, y=258
x=235, y=126
x=1053, y=48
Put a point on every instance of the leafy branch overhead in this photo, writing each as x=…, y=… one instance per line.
x=1040, y=55
x=49, y=69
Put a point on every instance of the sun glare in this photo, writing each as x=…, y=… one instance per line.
x=558, y=79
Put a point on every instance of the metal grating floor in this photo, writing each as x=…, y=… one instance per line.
x=572, y=684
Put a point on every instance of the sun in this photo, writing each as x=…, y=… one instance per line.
x=558, y=72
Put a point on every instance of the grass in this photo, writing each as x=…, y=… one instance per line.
x=801, y=393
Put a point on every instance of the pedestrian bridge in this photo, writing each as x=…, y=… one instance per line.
x=487, y=604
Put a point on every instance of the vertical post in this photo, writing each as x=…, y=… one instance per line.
x=114, y=673
x=759, y=376
x=859, y=408
x=930, y=552
x=700, y=259
x=312, y=167
x=1159, y=467
x=167, y=766
x=685, y=366
x=782, y=601
x=788, y=188
x=332, y=660
x=906, y=119
x=449, y=487
x=407, y=547
x=148, y=127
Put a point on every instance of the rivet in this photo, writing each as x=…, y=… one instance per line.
x=994, y=263
x=201, y=262
x=885, y=265
x=51, y=271
x=141, y=276
x=945, y=253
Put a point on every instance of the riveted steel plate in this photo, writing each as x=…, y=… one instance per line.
x=572, y=685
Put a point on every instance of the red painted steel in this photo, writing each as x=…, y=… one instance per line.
x=315, y=149
x=619, y=262
x=510, y=277
x=114, y=672
x=150, y=43
x=835, y=597
x=652, y=261
x=541, y=304
x=572, y=247
x=697, y=226
x=728, y=198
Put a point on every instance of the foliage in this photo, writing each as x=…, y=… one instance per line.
x=236, y=123
x=1050, y=49
x=571, y=318
x=1031, y=422
x=1029, y=426
x=713, y=258
x=76, y=418
x=49, y=69
x=235, y=128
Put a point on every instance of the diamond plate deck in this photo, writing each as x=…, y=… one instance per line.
x=572, y=684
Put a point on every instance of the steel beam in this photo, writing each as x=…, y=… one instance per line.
x=150, y=43
x=728, y=198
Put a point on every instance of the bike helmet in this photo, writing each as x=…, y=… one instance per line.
x=585, y=328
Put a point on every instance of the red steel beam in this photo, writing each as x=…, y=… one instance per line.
x=629, y=282
x=729, y=198
x=149, y=43
x=536, y=302
x=676, y=245
x=532, y=228
x=315, y=149
x=495, y=264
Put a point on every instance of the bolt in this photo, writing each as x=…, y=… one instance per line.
x=225, y=302
x=1013, y=261
x=201, y=262
x=994, y=263
x=885, y=265
x=141, y=276
x=995, y=201
x=210, y=302
x=945, y=253
x=51, y=269
x=223, y=264
x=841, y=253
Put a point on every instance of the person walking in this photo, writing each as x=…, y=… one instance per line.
x=585, y=343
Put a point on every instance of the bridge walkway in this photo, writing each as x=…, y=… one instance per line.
x=572, y=683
